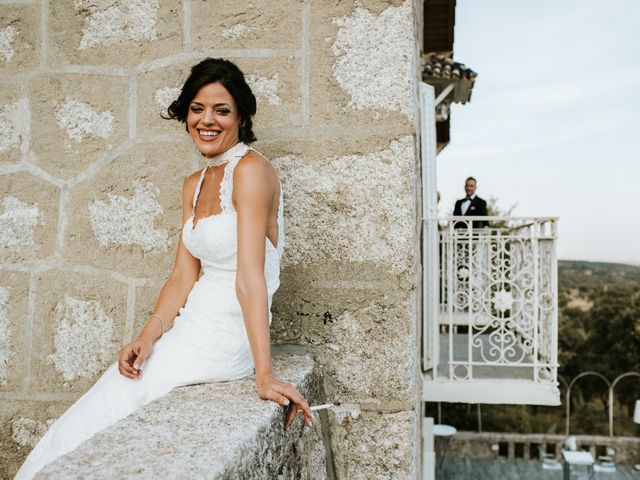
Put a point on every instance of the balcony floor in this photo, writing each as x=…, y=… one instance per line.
x=485, y=469
x=489, y=384
x=460, y=353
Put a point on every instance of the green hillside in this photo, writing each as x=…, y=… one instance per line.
x=599, y=317
x=588, y=275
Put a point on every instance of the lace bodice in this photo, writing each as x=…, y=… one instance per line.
x=213, y=239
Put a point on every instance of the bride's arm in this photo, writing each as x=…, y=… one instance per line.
x=253, y=192
x=172, y=296
x=184, y=275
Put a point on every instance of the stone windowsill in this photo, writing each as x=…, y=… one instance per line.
x=215, y=430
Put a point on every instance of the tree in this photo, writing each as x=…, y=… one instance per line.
x=495, y=211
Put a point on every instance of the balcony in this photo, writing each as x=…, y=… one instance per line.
x=492, y=336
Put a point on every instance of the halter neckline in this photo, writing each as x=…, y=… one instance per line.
x=237, y=150
x=233, y=156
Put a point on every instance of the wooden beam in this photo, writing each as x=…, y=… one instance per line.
x=438, y=22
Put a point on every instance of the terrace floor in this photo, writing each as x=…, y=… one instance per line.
x=502, y=469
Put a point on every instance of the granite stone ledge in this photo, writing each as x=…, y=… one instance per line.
x=214, y=431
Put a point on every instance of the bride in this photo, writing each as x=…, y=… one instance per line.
x=210, y=327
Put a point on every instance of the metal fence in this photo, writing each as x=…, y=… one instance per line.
x=498, y=299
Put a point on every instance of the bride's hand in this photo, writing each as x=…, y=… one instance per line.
x=283, y=393
x=131, y=357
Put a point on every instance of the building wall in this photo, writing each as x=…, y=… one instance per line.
x=91, y=175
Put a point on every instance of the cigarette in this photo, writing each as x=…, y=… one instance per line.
x=317, y=407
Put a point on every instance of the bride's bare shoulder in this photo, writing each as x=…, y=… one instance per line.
x=189, y=184
x=254, y=164
x=258, y=154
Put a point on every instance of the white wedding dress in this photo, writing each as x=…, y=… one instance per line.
x=207, y=342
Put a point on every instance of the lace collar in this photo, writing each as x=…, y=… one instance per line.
x=238, y=150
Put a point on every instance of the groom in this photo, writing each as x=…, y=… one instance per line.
x=471, y=205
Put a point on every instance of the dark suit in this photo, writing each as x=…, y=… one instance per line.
x=478, y=208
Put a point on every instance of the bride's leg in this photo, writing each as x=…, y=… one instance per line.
x=110, y=399
x=175, y=361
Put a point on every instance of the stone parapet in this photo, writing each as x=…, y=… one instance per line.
x=525, y=445
x=212, y=430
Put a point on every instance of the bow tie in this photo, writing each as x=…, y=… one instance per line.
x=468, y=198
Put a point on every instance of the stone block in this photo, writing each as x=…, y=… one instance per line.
x=22, y=423
x=146, y=297
x=156, y=90
x=372, y=445
x=120, y=32
x=14, y=292
x=78, y=119
x=77, y=330
x=28, y=218
x=260, y=24
x=14, y=124
x=19, y=38
x=345, y=203
x=362, y=64
x=274, y=82
x=309, y=300
x=368, y=350
x=372, y=354
x=128, y=216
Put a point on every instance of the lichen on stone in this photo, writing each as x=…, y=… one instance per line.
x=26, y=431
x=236, y=31
x=165, y=96
x=83, y=338
x=376, y=445
x=14, y=118
x=7, y=34
x=8, y=135
x=5, y=351
x=363, y=367
x=346, y=410
x=79, y=120
x=108, y=22
x=265, y=88
x=374, y=58
x=18, y=222
x=360, y=207
x=129, y=221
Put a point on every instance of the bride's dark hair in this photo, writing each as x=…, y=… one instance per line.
x=227, y=73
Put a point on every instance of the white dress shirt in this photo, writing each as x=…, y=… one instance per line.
x=464, y=206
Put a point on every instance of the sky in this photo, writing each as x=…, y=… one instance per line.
x=553, y=125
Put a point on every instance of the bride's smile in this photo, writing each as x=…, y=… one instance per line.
x=213, y=120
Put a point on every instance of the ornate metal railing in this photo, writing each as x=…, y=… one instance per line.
x=498, y=299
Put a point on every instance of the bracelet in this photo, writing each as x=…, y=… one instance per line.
x=161, y=321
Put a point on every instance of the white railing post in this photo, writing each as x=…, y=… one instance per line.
x=430, y=240
x=554, y=304
x=536, y=294
x=428, y=452
x=450, y=292
x=470, y=279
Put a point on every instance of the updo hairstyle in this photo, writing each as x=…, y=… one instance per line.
x=212, y=70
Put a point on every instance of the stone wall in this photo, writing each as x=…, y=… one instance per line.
x=525, y=445
x=90, y=179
